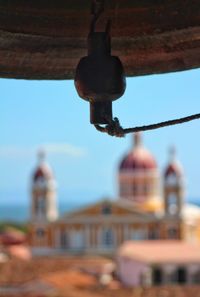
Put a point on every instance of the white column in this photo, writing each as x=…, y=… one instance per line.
x=99, y=237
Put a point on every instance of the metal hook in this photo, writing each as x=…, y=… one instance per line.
x=97, y=8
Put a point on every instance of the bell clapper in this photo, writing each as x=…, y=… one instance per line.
x=99, y=76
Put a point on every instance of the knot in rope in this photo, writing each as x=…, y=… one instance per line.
x=113, y=128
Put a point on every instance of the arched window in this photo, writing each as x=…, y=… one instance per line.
x=41, y=183
x=41, y=236
x=172, y=204
x=172, y=180
x=40, y=205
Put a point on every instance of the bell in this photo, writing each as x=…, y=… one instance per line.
x=99, y=77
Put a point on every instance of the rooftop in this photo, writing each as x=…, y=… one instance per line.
x=153, y=252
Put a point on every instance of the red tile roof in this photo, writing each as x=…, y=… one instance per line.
x=12, y=237
x=70, y=278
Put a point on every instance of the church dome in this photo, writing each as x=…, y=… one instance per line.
x=139, y=158
x=174, y=167
x=43, y=170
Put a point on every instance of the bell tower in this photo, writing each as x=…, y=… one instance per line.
x=173, y=186
x=43, y=189
x=43, y=205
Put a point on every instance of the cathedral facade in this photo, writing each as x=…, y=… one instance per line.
x=145, y=210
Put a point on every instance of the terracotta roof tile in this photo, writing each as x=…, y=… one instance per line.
x=70, y=278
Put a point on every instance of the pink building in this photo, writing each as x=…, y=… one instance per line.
x=158, y=262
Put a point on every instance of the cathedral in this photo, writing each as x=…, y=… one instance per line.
x=150, y=206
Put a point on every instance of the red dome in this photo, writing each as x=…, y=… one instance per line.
x=43, y=171
x=173, y=169
x=139, y=158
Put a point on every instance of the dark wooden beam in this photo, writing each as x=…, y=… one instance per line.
x=45, y=39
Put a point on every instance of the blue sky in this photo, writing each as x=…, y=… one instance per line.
x=34, y=113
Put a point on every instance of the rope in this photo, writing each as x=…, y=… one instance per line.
x=114, y=128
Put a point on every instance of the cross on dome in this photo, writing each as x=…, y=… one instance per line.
x=137, y=139
x=174, y=167
x=172, y=153
x=41, y=155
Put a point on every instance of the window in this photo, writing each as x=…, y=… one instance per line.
x=40, y=205
x=157, y=276
x=63, y=239
x=40, y=232
x=196, y=278
x=172, y=180
x=172, y=204
x=154, y=234
x=171, y=277
x=181, y=275
x=146, y=189
x=77, y=240
x=124, y=189
x=106, y=209
x=135, y=189
x=41, y=183
x=139, y=234
x=172, y=233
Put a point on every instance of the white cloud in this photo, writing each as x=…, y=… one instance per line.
x=63, y=149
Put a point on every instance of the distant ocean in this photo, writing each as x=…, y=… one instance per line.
x=21, y=213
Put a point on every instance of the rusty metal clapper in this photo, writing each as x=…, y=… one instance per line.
x=99, y=76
